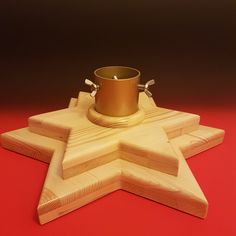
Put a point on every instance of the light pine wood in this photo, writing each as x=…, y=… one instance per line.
x=73, y=102
x=90, y=145
x=60, y=196
x=145, y=144
x=115, y=122
x=199, y=140
x=88, y=161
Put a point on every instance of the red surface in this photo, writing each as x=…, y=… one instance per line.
x=121, y=213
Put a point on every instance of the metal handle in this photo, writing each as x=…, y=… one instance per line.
x=94, y=87
x=145, y=87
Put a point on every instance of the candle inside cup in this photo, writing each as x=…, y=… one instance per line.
x=118, y=90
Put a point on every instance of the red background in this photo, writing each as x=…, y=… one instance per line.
x=120, y=213
x=48, y=48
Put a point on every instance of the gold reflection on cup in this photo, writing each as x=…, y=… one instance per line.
x=118, y=90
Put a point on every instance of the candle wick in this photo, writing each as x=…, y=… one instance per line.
x=115, y=77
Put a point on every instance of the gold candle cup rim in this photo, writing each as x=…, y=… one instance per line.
x=137, y=75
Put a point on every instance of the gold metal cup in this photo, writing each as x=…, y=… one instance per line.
x=118, y=91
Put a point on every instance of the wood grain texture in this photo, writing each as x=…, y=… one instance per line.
x=199, y=140
x=61, y=196
x=115, y=122
x=147, y=145
x=110, y=159
x=90, y=145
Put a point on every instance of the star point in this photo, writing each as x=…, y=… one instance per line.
x=88, y=161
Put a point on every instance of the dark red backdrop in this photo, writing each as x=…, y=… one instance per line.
x=48, y=48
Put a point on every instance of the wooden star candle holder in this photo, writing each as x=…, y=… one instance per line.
x=141, y=148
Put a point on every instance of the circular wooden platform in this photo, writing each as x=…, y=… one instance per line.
x=115, y=122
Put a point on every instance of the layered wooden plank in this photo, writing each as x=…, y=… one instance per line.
x=199, y=140
x=90, y=145
x=146, y=145
x=60, y=196
x=88, y=161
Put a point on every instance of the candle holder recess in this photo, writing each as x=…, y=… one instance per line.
x=115, y=138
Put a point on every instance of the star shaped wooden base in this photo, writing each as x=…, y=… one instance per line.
x=91, y=155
